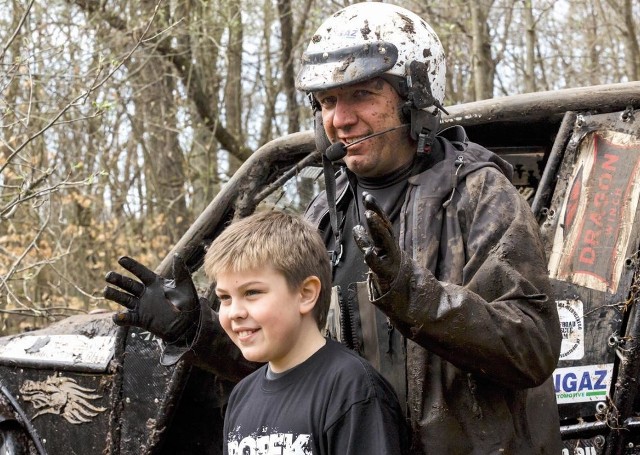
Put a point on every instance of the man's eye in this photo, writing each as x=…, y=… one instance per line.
x=328, y=101
x=361, y=93
x=253, y=292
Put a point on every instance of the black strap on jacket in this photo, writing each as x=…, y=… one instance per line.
x=330, y=182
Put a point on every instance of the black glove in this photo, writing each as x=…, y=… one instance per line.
x=379, y=246
x=167, y=307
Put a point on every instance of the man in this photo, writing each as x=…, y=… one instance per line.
x=463, y=323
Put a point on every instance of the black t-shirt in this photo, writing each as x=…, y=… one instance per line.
x=333, y=403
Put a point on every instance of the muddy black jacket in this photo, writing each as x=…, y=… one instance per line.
x=474, y=301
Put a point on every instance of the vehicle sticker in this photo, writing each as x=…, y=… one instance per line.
x=572, y=327
x=62, y=396
x=598, y=212
x=582, y=383
x=73, y=352
x=580, y=451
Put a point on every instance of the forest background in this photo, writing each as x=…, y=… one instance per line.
x=120, y=120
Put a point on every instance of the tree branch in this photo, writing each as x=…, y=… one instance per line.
x=191, y=80
x=81, y=98
x=17, y=30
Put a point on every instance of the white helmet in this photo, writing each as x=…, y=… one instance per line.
x=372, y=39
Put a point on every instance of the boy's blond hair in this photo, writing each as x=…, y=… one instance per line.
x=282, y=240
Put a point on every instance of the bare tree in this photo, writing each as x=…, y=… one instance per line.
x=286, y=31
x=483, y=64
x=530, y=40
x=624, y=11
x=121, y=120
x=47, y=182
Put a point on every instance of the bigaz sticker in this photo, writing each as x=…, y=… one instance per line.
x=580, y=451
x=582, y=383
x=571, y=315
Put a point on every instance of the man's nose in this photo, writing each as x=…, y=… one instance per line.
x=344, y=115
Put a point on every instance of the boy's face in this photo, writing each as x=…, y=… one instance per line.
x=268, y=321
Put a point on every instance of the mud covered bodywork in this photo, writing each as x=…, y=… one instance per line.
x=84, y=386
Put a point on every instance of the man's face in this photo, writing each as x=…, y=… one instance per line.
x=352, y=112
x=262, y=316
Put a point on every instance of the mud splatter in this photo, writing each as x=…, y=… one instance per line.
x=408, y=26
x=365, y=30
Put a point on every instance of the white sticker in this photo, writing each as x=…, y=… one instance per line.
x=582, y=383
x=571, y=315
x=72, y=351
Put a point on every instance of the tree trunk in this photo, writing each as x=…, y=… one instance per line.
x=288, y=78
x=530, y=40
x=233, y=84
x=483, y=65
x=631, y=47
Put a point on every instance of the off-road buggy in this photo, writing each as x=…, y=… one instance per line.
x=83, y=386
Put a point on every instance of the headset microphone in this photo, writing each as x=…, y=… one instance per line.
x=338, y=150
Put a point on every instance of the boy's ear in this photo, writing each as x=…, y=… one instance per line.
x=309, y=292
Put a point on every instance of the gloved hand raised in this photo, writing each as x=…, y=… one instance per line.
x=167, y=307
x=378, y=244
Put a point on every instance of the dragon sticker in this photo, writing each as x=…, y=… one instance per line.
x=62, y=396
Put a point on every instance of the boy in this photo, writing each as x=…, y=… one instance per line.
x=314, y=396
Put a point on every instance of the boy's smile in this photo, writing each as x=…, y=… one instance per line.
x=266, y=319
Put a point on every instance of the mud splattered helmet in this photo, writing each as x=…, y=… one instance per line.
x=371, y=39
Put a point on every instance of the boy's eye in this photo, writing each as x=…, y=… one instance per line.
x=224, y=298
x=253, y=292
